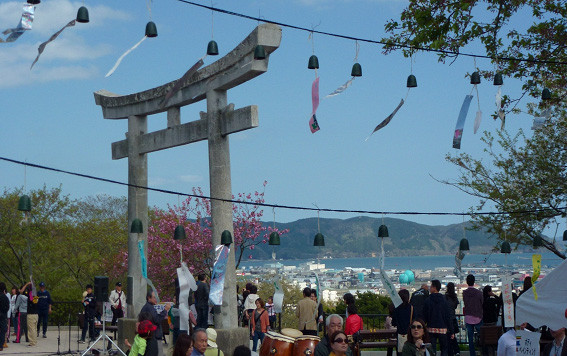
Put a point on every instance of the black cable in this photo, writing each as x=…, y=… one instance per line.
x=291, y=207
x=399, y=45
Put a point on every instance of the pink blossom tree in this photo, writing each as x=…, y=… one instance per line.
x=163, y=257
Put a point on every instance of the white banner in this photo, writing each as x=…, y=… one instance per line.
x=508, y=302
x=527, y=343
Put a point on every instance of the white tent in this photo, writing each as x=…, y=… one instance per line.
x=550, y=308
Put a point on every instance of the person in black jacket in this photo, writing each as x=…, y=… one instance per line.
x=4, y=307
x=202, y=302
x=490, y=306
x=418, y=299
x=402, y=317
x=436, y=313
x=156, y=318
x=89, y=301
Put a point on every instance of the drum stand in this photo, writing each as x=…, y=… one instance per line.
x=104, y=337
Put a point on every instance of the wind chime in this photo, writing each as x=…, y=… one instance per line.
x=314, y=64
x=458, y=135
x=274, y=236
x=356, y=71
x=151, y=31
x=410, y=83
x=82, y=17
x=498, y=81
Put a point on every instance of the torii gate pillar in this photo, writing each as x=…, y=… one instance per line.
x=221, y=211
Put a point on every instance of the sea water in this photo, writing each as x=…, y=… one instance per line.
x=549, y=260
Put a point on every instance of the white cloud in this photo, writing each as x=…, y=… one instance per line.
x=69, y=57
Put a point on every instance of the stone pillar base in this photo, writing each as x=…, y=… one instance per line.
x=228, y=339
x=126, y=330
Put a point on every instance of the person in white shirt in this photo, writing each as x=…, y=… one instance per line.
x=117, y=301
x=507, y=344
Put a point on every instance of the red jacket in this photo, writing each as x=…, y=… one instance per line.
x=353, y=324
x=264, y=320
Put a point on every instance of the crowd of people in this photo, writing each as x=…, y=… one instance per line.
x=422, y=321
x=25, y=311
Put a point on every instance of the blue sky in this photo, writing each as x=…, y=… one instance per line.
x=49, y=116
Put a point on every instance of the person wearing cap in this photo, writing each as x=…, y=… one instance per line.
x=145, y=332
x=117, y=301
x=44, y=303
x=89, y=301
x=212, y=347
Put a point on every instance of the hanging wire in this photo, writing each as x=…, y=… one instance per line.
x=357, y=49
x=398, y=45
x=281, y=206
x=149, y=6
x=212, y=21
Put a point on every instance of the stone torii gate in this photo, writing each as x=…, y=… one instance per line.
x=220, y=120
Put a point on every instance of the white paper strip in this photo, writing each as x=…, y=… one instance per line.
x=122, y=57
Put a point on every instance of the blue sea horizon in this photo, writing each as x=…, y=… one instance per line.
x=549, y=260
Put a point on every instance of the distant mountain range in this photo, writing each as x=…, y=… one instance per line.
x=358, y=237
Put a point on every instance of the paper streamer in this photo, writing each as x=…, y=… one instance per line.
x=318, y=288
x=499, y=109
x=53, y=37
x=25, y=24
x=184, y=278
x=387, y=119
x=461, y=122
x=341, y=88
x=144, y=267
x=390, y=288
x=179, y=83
x=143, y=261
x=219, y=271
x=313, y=124
x=477, y=121
x=124, y=55
x=458, y=262
x=508, y=302
x=536, y=262
x=278, y=296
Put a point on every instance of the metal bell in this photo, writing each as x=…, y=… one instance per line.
x=545, y=94
x=356, y=70
x=412, y=82
x=212, y=49
x=383, y=231
x=136, y=227
x=259, y=52
x=151, y=29
x=475, y=78
x=464, y=245
x=505, y=248
x=498, y=79
x=319, y=240
x=25, y=203
x=83, y=15
x=274, y=238
x=226, y=238
x=313, y=62
x=34, y=2
x=179, y=233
